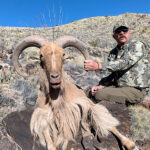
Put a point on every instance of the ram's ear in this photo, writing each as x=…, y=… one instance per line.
x=35, y=57
x=67, y=57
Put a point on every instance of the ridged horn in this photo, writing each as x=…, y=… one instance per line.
x=30, y=41
x=69, y=41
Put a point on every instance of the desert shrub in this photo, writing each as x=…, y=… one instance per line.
x=94, y=43
x=6, y=77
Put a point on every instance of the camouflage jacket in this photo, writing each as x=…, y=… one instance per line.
x=127, y=65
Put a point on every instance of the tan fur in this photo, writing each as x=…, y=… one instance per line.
x=63, y=110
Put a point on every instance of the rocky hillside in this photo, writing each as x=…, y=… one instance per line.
x=17, y=93
x=95, y=31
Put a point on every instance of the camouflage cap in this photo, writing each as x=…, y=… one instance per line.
x=120, y=23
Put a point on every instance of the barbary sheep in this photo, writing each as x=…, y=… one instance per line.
x=62, y=107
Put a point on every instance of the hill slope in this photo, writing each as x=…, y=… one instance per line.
x=17, y=93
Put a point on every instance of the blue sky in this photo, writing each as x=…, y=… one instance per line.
x=40, y=13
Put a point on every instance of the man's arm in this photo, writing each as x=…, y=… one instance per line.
x=135, y=53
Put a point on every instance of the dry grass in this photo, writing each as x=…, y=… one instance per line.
x=140, y=122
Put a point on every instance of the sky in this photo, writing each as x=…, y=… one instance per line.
x=43, y=13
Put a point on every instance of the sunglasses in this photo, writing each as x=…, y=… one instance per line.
x=121, y=30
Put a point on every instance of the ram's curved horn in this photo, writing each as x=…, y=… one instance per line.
x=29, y=41
x=69, y=41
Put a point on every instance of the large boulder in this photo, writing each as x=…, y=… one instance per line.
x=17, y=126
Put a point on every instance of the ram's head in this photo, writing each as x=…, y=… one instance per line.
x=52, y=55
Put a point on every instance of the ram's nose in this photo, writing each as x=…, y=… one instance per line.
x=54, y=76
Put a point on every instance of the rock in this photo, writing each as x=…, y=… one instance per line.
x=121, y=112
x=6, y=101
x=10, y=51
x=88, y=143
x=5, y=144
x=30, y=69
x=17, y=125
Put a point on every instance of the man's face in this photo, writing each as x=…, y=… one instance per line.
x=121, y=35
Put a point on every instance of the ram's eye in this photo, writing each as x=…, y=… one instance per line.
x=41, y=56
x=41, y=61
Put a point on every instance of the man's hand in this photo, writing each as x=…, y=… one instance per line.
x=90, y=65
x=96, y=88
